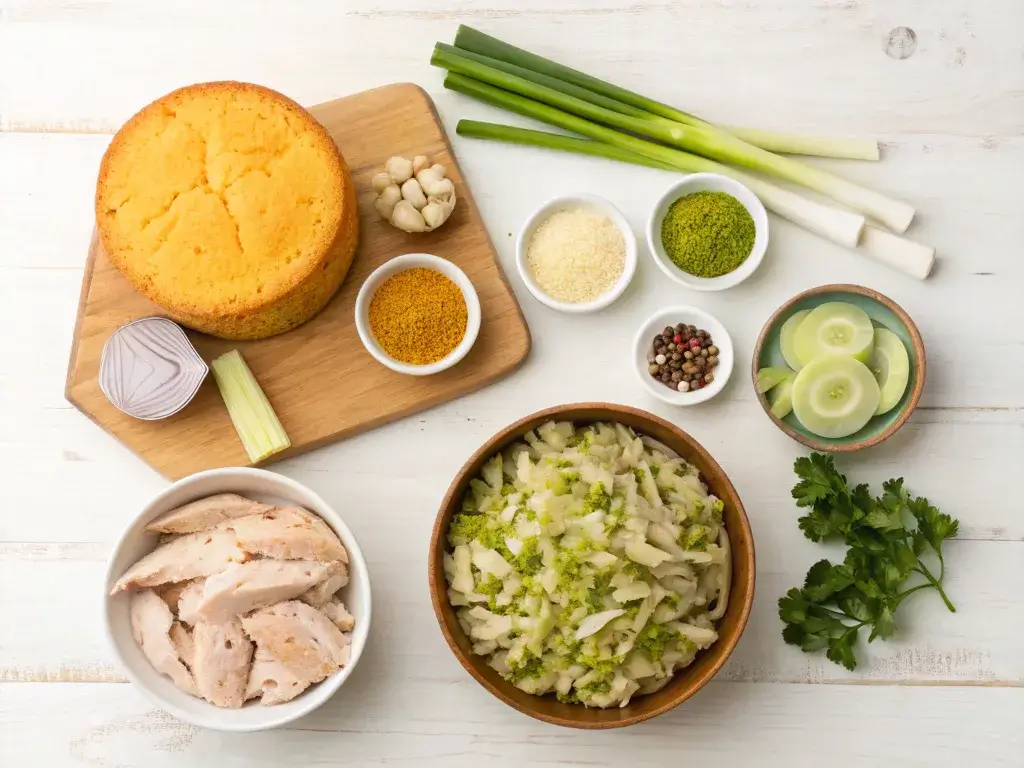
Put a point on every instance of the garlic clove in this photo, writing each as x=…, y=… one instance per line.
x=380, y=182
x=385, y=203
x=434, y=182
x=413, y=192
x=407, y=218
x=436, y=212
x=399, y=169
x=419, y=163
x=439, y=188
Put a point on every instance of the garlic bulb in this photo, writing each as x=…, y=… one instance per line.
x=413, y=195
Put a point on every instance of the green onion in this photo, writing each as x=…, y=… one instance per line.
x=495, y=132
x=477, y=42
x=807, y=144
x=839, y=226
x=444, y=52
x=912, y=258
x=702, y=139
x=257, y=425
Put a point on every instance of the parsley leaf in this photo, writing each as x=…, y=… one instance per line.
x=886, y=536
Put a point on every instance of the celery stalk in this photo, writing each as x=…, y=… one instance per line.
x=702, y=139
x=257, y=425
x=482, y=44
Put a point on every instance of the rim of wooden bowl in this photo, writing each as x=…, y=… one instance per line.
x=920, y=368
x=686, y=682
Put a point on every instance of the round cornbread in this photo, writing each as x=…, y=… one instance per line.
x=230, y=207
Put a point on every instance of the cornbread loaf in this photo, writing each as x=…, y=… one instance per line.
x=229, y=206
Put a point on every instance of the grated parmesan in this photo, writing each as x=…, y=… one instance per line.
x=576, y=255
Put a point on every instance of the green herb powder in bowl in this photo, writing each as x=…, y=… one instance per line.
x=708, y=234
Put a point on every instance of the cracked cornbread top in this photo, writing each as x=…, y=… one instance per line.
x=228, y=205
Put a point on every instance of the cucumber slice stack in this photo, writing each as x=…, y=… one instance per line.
x=842, y=370
x=771, y=377
x=787, y=339
x=835, y=396
x=890, y=365
x=832, y=329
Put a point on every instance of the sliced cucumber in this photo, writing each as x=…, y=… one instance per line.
x=770, y=377
x=890, y=365
x=787, y=338
x=781, y=398
x=835, y=396
x=834, y=328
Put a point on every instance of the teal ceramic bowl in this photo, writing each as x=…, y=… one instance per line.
x=884, y=312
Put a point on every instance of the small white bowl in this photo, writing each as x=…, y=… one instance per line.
x=560, y=204
x=263, y=486
x=401, y=264
x=699, y=182
x=691, y=316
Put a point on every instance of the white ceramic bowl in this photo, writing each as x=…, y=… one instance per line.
x=560, y=204
x=400, y=264
x=135, y=542
x=699, y=182
x=691, y=316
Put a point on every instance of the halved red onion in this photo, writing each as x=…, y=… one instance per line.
x=149, y=369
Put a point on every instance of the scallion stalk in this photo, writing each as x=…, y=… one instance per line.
x=701, y=139
x=257, y=425
x=840, y=226
x=912, y=258
x=785, y=143
x=476, y=129
x=477, y=42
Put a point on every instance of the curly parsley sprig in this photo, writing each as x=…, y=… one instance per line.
x=887, y=536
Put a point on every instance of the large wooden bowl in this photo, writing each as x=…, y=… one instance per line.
x=686, y=682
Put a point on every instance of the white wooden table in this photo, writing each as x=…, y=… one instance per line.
x=947, y=690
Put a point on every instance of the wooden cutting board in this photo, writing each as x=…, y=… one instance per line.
x=320, y=379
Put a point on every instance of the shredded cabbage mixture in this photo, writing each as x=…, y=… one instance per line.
x=590, y=562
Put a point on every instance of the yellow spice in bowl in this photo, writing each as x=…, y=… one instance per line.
x=229, y=206
x=418, y=316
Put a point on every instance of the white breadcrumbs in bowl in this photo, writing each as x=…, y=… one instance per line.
x=577, y=254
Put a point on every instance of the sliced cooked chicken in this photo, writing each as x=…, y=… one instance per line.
x=188, y=603
x=221, y=667
x=171, y=593
x=206, y=513
x=286, y=533
x=270, y=680
x=257, y=584
x=187, y=557
x=151, y=626
x=302, y=638
x=338, y=613
x=181, y=639
x=335, y=579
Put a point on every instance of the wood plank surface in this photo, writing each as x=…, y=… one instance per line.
x=322, y=382
x=947, y=690
x=767, y=726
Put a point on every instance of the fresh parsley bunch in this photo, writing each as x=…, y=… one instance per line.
x=888, y=535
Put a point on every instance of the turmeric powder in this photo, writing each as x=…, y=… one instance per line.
x=418, y=316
